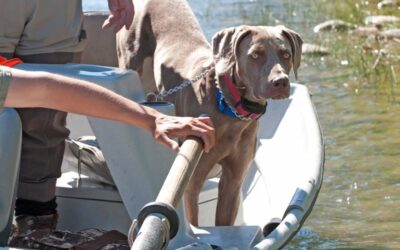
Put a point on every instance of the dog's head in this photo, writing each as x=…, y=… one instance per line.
x=259, y=58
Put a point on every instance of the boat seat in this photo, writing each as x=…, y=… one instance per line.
x=10, y=147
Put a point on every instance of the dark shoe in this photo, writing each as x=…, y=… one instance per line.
x=27, y=224
x=87, y=239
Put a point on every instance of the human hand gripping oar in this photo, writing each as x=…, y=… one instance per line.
x=158, y=221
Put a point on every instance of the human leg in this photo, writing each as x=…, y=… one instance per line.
x=48, y=36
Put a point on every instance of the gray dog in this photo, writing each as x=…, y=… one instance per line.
x=231, y=82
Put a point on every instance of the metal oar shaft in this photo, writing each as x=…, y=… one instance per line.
x=156, y=228
x=152, y=234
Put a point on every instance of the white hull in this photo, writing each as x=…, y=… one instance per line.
x=283, y=181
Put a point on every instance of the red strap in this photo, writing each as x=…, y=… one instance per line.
x=9, y=63
x=232, y=89
x=236, y=98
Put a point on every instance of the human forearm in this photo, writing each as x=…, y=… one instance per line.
x=38, y=89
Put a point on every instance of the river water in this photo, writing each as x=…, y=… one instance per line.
x=356, y=91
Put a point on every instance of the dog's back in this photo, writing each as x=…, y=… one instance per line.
x=167, y=32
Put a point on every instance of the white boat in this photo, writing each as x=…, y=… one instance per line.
x=283, y=181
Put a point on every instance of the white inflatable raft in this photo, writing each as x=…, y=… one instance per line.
x=283, y=181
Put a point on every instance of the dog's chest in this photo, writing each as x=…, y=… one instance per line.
x=233, y=135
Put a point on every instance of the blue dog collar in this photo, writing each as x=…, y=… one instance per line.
x=223, y=107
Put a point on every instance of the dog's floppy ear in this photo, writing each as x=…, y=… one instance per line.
x=224, y=45
x=296, y=42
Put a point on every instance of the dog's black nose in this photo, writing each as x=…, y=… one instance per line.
x=281, y=81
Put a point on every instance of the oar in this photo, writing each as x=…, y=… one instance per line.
x=158, y=221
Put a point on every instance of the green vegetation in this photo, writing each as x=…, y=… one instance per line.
x=373, y=58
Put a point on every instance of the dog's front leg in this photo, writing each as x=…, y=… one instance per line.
x=233, y=173
x=195, y=185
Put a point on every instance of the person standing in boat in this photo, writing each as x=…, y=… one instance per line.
x=50, y=32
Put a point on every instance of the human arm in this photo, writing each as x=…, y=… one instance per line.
x=40, y=89
x=121, y=14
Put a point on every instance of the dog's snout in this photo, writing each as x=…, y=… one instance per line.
x=280, y=82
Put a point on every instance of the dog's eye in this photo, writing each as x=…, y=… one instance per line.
x=254, y=55
x=286, y=55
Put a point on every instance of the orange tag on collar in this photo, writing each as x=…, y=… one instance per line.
x=9, y=63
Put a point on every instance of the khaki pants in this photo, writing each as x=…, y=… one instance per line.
x=41, y=31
